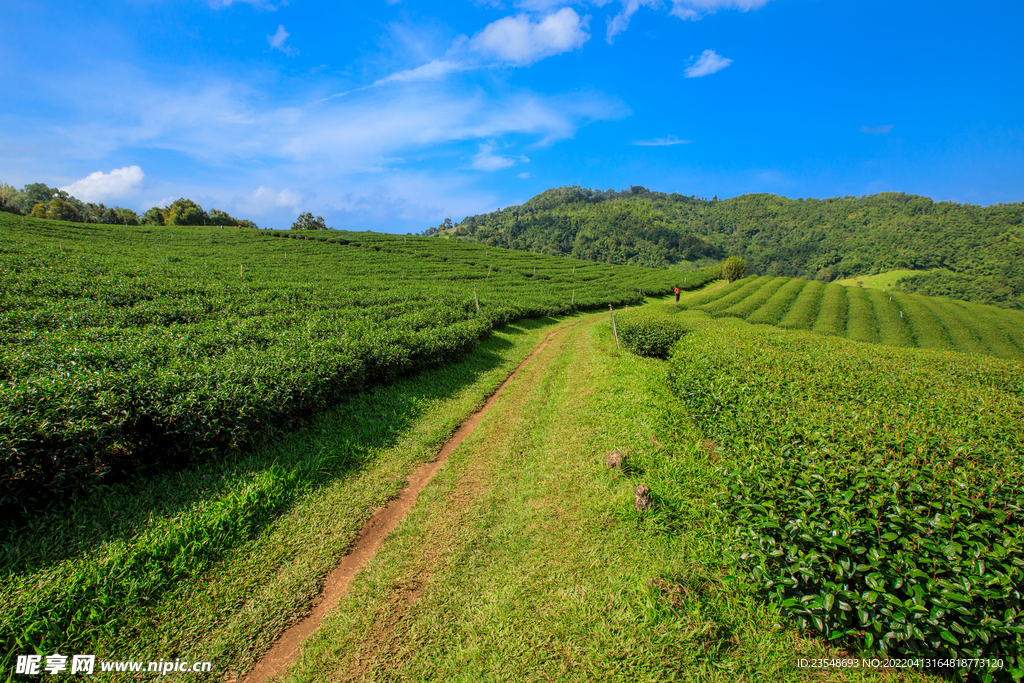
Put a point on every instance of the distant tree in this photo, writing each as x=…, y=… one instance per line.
x=153, y=217
x=733, y=268
x=306, y=221
x=184, y=212
x=127, y=217
x=39, y=193
x=39, y=210
x=60, y=210
x=447, y=225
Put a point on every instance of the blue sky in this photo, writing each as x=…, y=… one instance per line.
x=392, y=115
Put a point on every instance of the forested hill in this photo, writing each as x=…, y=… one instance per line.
x=969, y=252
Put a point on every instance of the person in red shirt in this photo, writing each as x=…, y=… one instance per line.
x=677, y=293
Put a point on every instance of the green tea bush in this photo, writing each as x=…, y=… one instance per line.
x=123, y=346
x=871, y=502
x=723, y=302
x=892, y=329
x=805, y=309
x=832, y=314
x=706, y=297
x=860, y=317
x=995, y=336
x=959, y=334
x=648, y=333
x=780, y=302
x=754, y=300
x=927, y=330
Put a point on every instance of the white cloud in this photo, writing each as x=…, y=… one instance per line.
x=877, y=130
x=695, y=9
x=259, y=4
x=277, y=41
x=661, y=142
x=439, y=68
x=523, y=175
x=620, y=22
x=521, y=41
x=684, y=9
x=265, y=200
x=708, y=63
x=485, y=160
x=103, y=187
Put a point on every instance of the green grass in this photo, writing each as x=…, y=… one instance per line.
x=860, y=318
x=805, y=309
x=777, y=307
x=886, y=280
x=213, y=561
x=525, y=559
x=994, y=335
x=832, y=314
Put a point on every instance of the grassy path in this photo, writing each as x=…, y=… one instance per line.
x=525, y=560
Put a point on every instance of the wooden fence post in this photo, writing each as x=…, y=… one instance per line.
x=574, y=297
x=476, y=300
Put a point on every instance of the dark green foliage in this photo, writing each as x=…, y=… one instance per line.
x=978, y=251
x=649, y=333
x=872, y=502
x=306, y=221
x=119, y=347
x=733, y=268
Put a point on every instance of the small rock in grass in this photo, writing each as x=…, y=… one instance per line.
x=641, y=497
x=615, y=460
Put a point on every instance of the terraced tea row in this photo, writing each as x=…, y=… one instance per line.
x=122, y=342
x=872, y=491
x=868, y=315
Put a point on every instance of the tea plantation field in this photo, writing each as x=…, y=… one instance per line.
x=873, y=492
x=871, y=315
x=118, y=344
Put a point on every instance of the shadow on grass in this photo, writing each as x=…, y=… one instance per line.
x=336, y=444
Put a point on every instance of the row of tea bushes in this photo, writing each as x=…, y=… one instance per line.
x=874, y=492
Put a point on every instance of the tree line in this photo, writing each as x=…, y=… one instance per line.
x=964, y=251
x=41, y=201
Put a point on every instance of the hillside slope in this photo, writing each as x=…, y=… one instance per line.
x=964, y=251
x=130, y=344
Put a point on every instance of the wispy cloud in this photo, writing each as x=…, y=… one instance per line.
x=277, y=41
x=708, y=63
x=684, y=9
x=486, y=160
x=259, y=4
x=523, y=175
x=103, y=187
x=439, y=68
x=696, y=9
x=877, y=130
x=620, y=22
x=521, y=41
x=661, y=142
